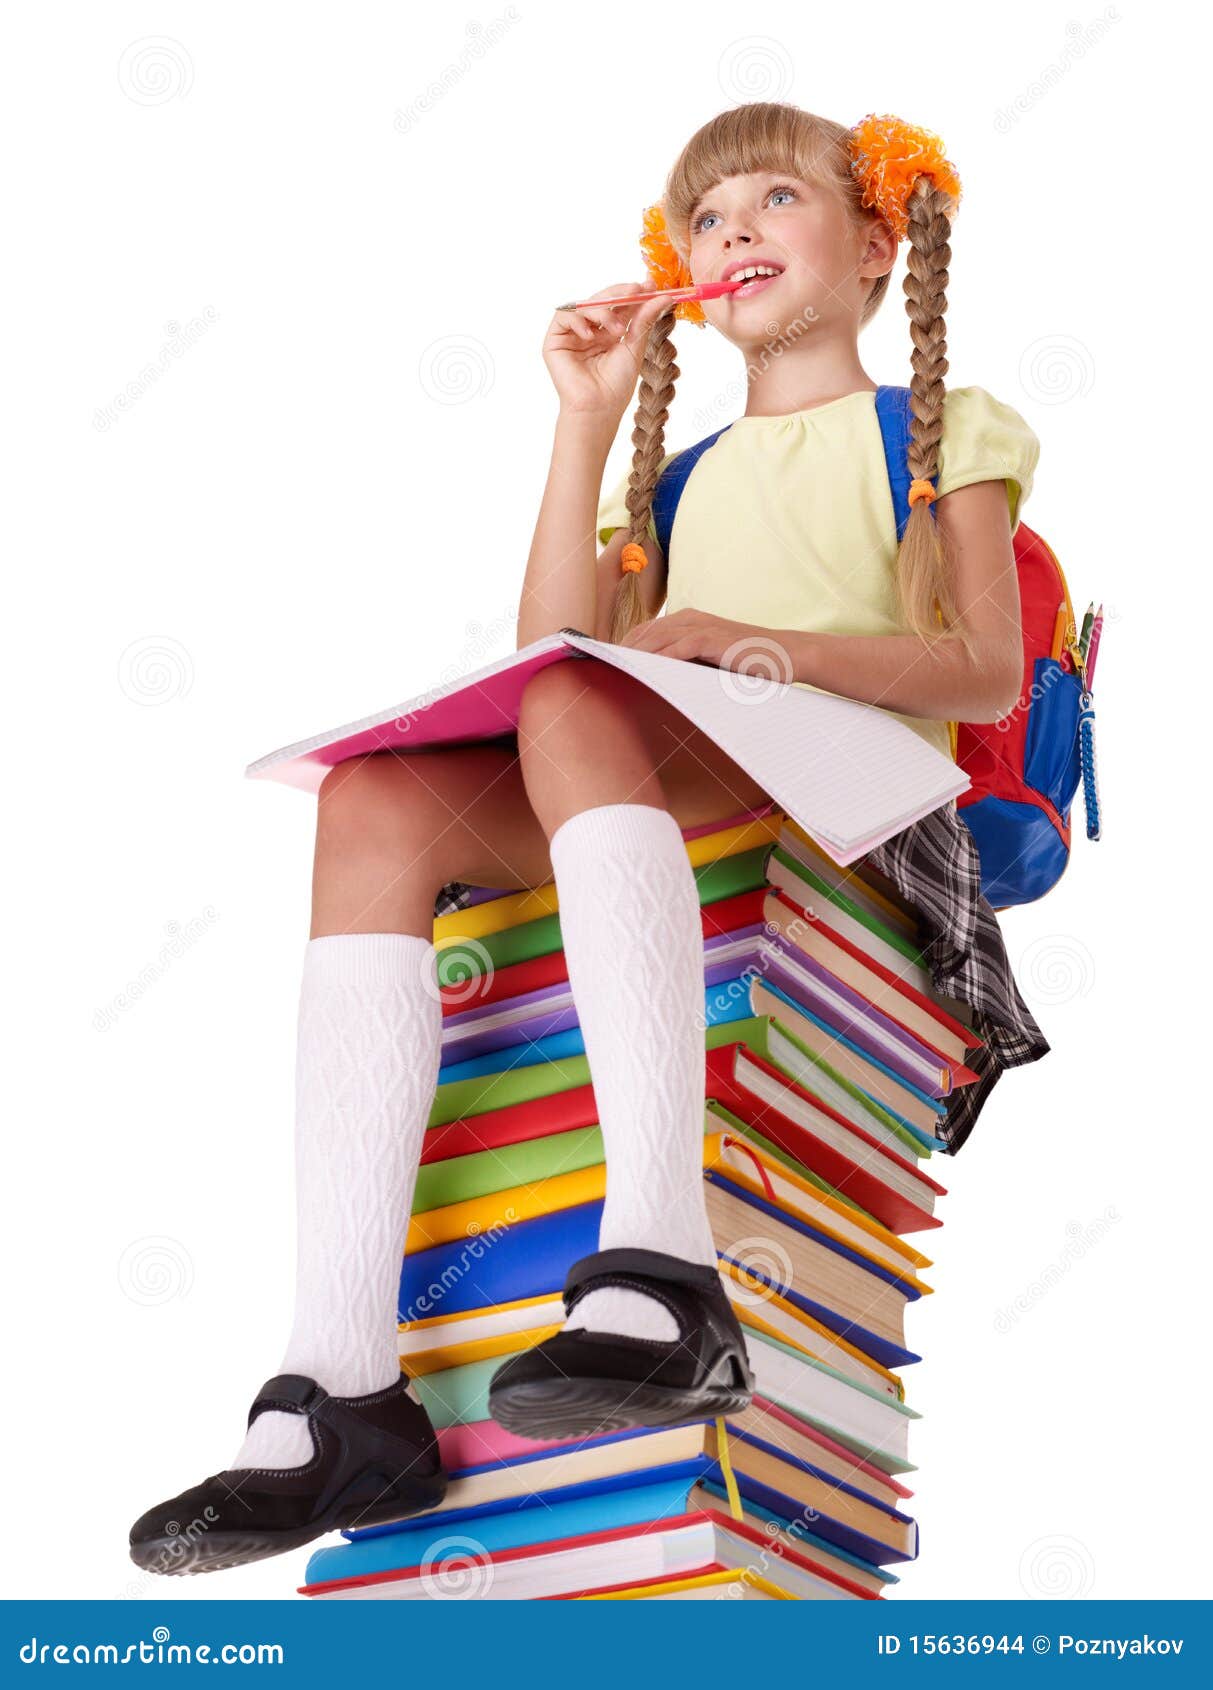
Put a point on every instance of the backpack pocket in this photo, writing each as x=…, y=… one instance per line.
x=1052, y=761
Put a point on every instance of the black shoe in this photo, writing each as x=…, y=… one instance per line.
x=376, y=1460
x=577, y=1384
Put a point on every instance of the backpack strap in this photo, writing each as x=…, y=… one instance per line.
x=894, y=415
x=670, y=484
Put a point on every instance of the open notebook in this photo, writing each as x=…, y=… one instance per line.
x=849, y=773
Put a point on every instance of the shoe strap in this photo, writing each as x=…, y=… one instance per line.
x=358, y=1441
x=651, y=1264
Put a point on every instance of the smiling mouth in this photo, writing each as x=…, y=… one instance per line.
x=759, y=276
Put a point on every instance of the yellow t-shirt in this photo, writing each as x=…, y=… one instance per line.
x=787, y=522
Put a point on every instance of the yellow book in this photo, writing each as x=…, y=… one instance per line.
x=498, y=914
x=475, y=1216
x=743, y=1576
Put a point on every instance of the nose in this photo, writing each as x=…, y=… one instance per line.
x=728, y=243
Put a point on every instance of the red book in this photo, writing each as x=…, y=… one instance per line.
x=726, y=915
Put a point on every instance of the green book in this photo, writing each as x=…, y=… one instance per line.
x=461, y=1099
x=903, y=946
x=458, y=1395
x=480, y=1173
x=458, y=963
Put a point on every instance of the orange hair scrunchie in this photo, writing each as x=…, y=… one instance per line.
x=633, y=558
x=665, y=266
x=920, y=489
x=887, y=158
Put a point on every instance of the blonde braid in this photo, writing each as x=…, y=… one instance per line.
x=924, y=566
x=658, y=373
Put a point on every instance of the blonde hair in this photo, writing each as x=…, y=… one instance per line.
x=770, y=135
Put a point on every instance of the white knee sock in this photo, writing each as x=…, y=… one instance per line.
x=370, y=1039
x=630, y=922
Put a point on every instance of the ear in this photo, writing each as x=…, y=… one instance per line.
x=880, y=253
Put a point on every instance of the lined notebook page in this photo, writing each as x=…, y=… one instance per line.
x=850, y=774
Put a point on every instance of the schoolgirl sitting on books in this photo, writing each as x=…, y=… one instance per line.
x=785, y=542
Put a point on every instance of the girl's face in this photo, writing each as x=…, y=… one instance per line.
x=773, y=221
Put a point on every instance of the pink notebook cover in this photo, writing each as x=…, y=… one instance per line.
x=852, y=775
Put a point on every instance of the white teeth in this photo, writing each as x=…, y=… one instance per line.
x=753, y=271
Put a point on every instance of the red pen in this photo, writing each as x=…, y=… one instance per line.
x=705, y=290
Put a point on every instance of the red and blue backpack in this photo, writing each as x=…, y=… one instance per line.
x=1024, y=768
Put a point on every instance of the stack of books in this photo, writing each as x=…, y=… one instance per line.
x=829, y=1059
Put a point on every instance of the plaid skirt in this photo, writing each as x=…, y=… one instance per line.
x=935, y=866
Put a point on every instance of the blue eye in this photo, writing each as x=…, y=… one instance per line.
x=699, y=224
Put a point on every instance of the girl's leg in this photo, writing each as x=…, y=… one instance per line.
x=614, y=774
x=391, y=830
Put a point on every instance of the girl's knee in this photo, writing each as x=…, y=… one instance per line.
x=571, y=693
x=381, y=796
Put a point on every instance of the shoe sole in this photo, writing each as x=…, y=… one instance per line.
x=213, y=1552
x=575, y=1408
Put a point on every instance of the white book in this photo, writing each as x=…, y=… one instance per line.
x=850, y=774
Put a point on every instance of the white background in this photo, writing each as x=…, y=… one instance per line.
x=325, y=501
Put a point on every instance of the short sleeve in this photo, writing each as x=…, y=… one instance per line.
x=984, y=440
x=613, y=509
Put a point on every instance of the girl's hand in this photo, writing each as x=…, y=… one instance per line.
x=699, y=637
x=594, y=356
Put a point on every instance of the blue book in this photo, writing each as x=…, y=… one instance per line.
x=558, y=1514
x=718, y=1006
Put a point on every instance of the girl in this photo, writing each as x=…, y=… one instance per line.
x=785, y=544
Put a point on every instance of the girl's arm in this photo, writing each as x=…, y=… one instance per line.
x=944, y=681
x=560, y=586
x=898, y=671
x=594, y=358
